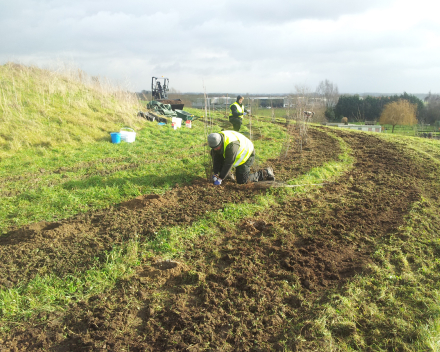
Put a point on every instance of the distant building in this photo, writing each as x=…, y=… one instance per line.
x=364, y=128
x=262, y=101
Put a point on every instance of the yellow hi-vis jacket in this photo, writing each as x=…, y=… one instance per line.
x=244, y=151
x=239, y=108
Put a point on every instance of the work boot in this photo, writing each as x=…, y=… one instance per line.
x=268, y=174
x=230, y=176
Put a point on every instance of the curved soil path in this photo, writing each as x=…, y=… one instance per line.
x=71, y=245
x=246, y=290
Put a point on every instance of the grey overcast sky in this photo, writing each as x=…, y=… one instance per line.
x=239, y=46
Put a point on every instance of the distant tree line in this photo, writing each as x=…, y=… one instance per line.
x=370, y=108
x=432, y=109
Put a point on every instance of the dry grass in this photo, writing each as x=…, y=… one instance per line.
x=48, y=108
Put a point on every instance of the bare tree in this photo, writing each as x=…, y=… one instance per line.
x=174, y=93
x=329, y=92
x=286, y=144
x=208, y=129
x=272, y=111
x=432, y=102
x=302, y=117
x=287, y=116
x=358, y=117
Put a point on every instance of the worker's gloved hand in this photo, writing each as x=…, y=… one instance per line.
x=218, y=182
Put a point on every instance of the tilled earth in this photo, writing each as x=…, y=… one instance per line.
x=243, y=290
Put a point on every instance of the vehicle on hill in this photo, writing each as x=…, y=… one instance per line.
x=159, y=92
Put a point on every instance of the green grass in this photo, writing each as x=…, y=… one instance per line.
x=54, y=183
x=264, y=112
x=45, y=294
x=397, y=306
x=406, y=130
x=425, y=148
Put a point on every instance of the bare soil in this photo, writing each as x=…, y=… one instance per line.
x=226, y=293
x=169, y=101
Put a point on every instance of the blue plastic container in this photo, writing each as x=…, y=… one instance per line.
x=116, y=137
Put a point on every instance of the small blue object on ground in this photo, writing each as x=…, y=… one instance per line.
x=161, y=123
x=116, y=137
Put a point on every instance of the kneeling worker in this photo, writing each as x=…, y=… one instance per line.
x=230, y=148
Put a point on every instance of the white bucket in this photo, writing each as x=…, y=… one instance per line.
x=128, y=136
x=177, y=121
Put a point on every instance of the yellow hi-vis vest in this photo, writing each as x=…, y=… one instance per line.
x=239, y=108
x=244, y=151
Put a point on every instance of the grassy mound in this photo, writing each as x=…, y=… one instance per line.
x=43, y=108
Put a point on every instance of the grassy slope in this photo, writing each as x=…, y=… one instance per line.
x=42, y=108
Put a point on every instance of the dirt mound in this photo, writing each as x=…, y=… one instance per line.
x=153, y=200
x=170, y=101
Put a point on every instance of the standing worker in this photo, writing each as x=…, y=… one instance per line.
x=230, y=148
x=237, y=113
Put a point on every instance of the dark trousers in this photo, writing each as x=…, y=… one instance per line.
x=236, y=123
x=243, y=172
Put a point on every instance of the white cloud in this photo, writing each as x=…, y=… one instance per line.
x=237, y=46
